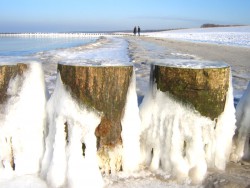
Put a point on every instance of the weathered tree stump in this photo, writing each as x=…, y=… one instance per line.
x=7, y=72
x=103, y=88
x=204, y=88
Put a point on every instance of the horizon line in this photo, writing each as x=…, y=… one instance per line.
x=114, y=31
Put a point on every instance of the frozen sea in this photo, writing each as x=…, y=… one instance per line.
x=110, y=51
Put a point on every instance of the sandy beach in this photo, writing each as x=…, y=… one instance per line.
x=234, y=56
x=146, y=50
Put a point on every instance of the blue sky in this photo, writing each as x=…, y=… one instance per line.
x=108, y=15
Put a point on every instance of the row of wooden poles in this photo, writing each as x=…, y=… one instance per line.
x=105, y=89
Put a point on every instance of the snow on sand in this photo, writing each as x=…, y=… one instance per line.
x=236, y=36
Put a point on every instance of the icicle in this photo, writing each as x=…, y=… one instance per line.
x=131, y=130
x=241, y=150
x=24, y=121
x=70, y=126
x=177, y=139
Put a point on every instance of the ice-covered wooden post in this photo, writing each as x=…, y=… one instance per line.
x=103, y=88
x=204, y=88
x=188, y=118
x=22, y=111
x=7, y=72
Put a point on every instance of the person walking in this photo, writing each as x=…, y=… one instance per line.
x=135, y=31
x=139, y=30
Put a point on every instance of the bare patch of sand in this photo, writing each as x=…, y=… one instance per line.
x=146, y=50
x=234, y=56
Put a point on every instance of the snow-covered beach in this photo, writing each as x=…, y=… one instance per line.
x=223, y=45
x=231, y=36
x=236, y=57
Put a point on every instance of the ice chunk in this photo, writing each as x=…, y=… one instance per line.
x=177, y=139
x=21, y=136
x=70, y=126
x=243, y=128
x=131, y=125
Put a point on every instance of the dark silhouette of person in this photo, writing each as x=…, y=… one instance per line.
x=139, y=31
x=134, y=30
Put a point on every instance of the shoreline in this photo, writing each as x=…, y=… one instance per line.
x=233, y=55
x=236, y=174
x=144, y=50
x=238, y=58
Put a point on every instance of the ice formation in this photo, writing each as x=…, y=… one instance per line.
x=173, y=137
x=131, y=129
x=70, y=125
x=241, y=150
x=55, y=152
x=105, y=52
x=22, y=124
x=112, y=159
x=177, y=139
x=169, y=136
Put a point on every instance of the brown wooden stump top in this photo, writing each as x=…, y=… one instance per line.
x=203, y=85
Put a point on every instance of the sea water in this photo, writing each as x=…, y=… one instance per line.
x=20, y=46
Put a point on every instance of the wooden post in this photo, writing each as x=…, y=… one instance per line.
x=103, y=88
x=203, y=88
x=7, y=72
x=191, y=124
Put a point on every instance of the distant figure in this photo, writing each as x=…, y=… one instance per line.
x=139, y=30
x=134, y=30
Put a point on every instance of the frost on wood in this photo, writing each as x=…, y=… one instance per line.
x=104, y=89
x=176, y=136
x=70, y=128
x=7, y=72
x=205, y=89
x=22, y=118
